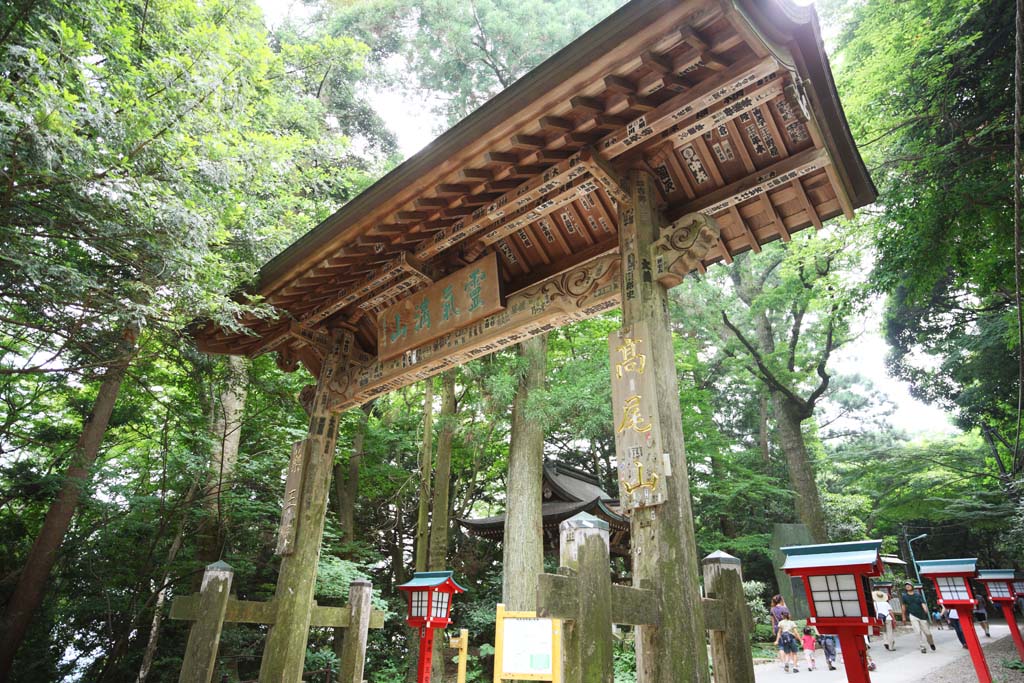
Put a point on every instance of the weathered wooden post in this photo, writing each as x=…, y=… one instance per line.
x=353, y=652
x=204, y=636
x=461, y=643
x=728, y=619
x=303, y=524
x=653, y=483
x=583, y=594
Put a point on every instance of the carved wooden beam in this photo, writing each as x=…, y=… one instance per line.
x=685, y=106
x=576, y=294
x=403, y=264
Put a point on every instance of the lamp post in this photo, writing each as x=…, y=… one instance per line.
x=836, y=580
x=951, y=583
x=910, y=547
x=1000, y=586
x=430, y=605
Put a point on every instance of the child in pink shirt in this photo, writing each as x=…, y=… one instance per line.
x=809, y=644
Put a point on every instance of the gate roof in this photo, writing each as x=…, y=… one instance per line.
x=729, y=103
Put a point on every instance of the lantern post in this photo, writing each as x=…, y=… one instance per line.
x=429, y=595
x=836, y=580
x=954, y=590
x=1000, y=586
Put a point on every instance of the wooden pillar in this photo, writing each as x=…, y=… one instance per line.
x=462, y=644
x=285, y=651
x=587, y=652
x=664, y=550
x=204, y=636
x=353, y=652
x=730, y=648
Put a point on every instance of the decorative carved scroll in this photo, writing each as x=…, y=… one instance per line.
x=683, y=245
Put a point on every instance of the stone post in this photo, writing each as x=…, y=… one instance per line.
x=730, y=647
x=353, y=653
x=663, y=541
x=586, y=661
x=204, y=636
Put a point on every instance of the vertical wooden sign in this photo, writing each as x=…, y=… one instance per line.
x=292, y=498
x=638, y=449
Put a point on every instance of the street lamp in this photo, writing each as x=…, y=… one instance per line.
x=910, y=546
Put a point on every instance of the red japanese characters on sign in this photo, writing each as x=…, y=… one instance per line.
x=637, y=430
x=458, y=300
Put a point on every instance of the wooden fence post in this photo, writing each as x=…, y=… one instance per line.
x=731, y=624
x=353, y=652
x=204, y=636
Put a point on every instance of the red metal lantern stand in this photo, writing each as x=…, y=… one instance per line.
x=1011, y=621
x=973, y=644
x=951, y=578
x=855, y=655
x=430, y=604
x=1002, y=591
x=835, y=577
x=426, y=655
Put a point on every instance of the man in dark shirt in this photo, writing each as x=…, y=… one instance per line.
x=915, y=603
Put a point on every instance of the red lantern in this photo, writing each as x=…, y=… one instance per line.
x=951, y=583
x=430, y=605
x=1000, y=586
x=835, y=577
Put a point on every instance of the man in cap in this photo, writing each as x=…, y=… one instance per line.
x=884, y=611
x=915, y=603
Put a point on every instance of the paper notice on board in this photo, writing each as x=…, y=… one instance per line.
x=528, y=646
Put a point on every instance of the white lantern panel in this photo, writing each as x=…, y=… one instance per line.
x=1018, y=587
x=419, y=603
x=953, y=588
x=835, y=595
x=439, y=609
x=999, y=589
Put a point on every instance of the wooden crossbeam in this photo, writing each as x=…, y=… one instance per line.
x=685, y=106
x=524, y=193
x=186, y=608
x=535, y=210
x=725, y=112
x=777, y=175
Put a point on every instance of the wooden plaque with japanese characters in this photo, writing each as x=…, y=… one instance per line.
x=292, y=498
x=458, y=300
x=637, y=432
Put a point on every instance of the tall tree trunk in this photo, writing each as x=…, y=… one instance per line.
x=158, y=611
x=422, y=546
x=426, y=456
x=789, y=416
x=523, y=548
x=226, y=430
x=762, y=428
x=34, y=576
x=346, y=488
x=439, y=510
x=801, y=468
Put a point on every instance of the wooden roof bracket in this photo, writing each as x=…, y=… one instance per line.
x=682, y=246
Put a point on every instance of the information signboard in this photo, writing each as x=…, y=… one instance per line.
x=527, y=647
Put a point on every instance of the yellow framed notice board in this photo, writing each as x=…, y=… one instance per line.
x=526, y=647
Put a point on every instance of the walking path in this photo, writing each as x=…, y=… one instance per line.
x=906, y=664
